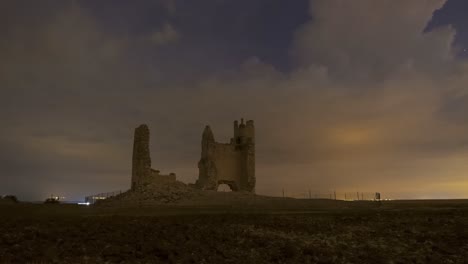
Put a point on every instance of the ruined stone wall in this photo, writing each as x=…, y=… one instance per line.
x=156, y=177
x=142, y=173
x=229, y=161
x=232, y=164
x=248, y=182
x=141, y=162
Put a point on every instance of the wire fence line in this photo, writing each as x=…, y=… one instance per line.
x=308, y=194
x=332, y=195
x=101, y=196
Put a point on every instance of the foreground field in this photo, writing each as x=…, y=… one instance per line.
x=404, y=232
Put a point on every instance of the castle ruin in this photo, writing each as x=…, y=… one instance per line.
x=142, y=173
x=232, y=163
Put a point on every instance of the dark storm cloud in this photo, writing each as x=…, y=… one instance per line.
x=453, y=13
x=356, y=38
x=373, y=103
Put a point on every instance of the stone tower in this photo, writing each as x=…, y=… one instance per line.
x=142, y=173
x=232, y=164
x=141, y=164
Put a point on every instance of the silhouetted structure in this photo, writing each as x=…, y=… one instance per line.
x=377, y=196
x=9, y=198
x=142, y=173
x=232, y=164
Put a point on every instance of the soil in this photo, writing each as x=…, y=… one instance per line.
x=339, y=232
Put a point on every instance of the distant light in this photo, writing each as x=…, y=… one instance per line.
x=84, y=203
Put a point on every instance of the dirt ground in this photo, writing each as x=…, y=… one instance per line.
x=340, y=232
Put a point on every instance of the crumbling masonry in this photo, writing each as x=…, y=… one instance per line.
x=142, y=173
x=232, y=164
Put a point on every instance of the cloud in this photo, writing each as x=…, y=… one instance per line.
x=165, y=35
x=356, y=38
x=171, y=6
x=374, y=103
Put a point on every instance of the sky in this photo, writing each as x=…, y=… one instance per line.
x=363, y=95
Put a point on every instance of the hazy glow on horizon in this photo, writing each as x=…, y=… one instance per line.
x=370, y=103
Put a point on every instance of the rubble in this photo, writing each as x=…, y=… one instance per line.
x=153, y=193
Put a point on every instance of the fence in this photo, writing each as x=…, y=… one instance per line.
x=308, y=194
x=333, y=195
x=101, y=196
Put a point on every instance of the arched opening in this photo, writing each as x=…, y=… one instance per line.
x=227, y=186
x=223, y=187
